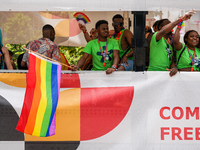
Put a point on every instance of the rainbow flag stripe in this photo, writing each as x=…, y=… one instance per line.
x=81, y=16
x=41, y=98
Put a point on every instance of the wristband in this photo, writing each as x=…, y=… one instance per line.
x=114, y=67
x=178, y=27
x=85, y=31
x=180, y=20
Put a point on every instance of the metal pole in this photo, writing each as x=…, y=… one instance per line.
x=139, y=42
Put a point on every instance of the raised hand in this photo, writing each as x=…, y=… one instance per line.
x=188, y=15
x=82, y=27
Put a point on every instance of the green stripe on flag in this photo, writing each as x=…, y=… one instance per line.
x=47, y=115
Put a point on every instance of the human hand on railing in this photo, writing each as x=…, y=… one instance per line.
x=110, y=70
x=124, y=61
x=172, y=72
x=74, y=67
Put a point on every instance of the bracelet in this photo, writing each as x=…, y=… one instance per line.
x=180, y=20
x=85, y=31
x=178, y=27
x=114, y=67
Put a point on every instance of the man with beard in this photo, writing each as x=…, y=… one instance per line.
x=160, y=50
x=123, y=37
x=104, y=51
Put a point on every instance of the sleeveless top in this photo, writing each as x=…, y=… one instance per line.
x=121, y=51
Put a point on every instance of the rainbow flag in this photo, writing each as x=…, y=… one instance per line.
x=81, y=17
x=42, y=92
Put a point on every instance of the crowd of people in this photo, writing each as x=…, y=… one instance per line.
x=110, y=50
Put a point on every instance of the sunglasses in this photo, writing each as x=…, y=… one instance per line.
x=118, y=23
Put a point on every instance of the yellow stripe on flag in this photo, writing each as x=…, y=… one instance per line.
x=43, y=101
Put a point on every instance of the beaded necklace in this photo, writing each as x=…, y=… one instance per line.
x=118, y=34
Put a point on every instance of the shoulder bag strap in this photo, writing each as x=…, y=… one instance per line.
x=180, y=55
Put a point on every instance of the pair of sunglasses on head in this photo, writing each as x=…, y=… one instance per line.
x=118, y=23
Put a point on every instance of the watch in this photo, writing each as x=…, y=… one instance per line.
x=114, y=67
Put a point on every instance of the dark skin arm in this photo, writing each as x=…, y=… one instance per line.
x=13, y=64
x=115, y=61
x=85, y=56
x=167, y=28
x=23, y=64
x=186, y=69
x=177, y=44
x=126, y=41
x=86, y=35
x=80, y=62
x=173, y=69
x=7, y=58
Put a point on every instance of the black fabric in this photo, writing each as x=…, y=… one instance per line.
x=52, y=145
x=8, y=123
x=180, y=56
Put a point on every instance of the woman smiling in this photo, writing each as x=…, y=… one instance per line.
x=188, y=55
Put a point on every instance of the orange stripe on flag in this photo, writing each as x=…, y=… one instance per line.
x=36, y=100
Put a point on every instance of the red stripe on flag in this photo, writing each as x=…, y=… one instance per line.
x=36, y=99
x=28, y=95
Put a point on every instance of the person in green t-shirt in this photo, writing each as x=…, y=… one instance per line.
x=123, y=37
x=104, y=51
x=188, y=55
x=160, y=50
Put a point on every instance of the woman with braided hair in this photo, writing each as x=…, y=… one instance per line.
x=160, y=50
x=188, y=55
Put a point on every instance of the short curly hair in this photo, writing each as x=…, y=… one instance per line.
x=100, y=22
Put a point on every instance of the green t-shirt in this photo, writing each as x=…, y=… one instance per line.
x=160, y=54
x=93, y=49
x=121, y=51
x=185, y=61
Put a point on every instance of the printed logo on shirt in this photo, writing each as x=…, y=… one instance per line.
x=107, y=55
x=168, y=52
x=196, y=61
